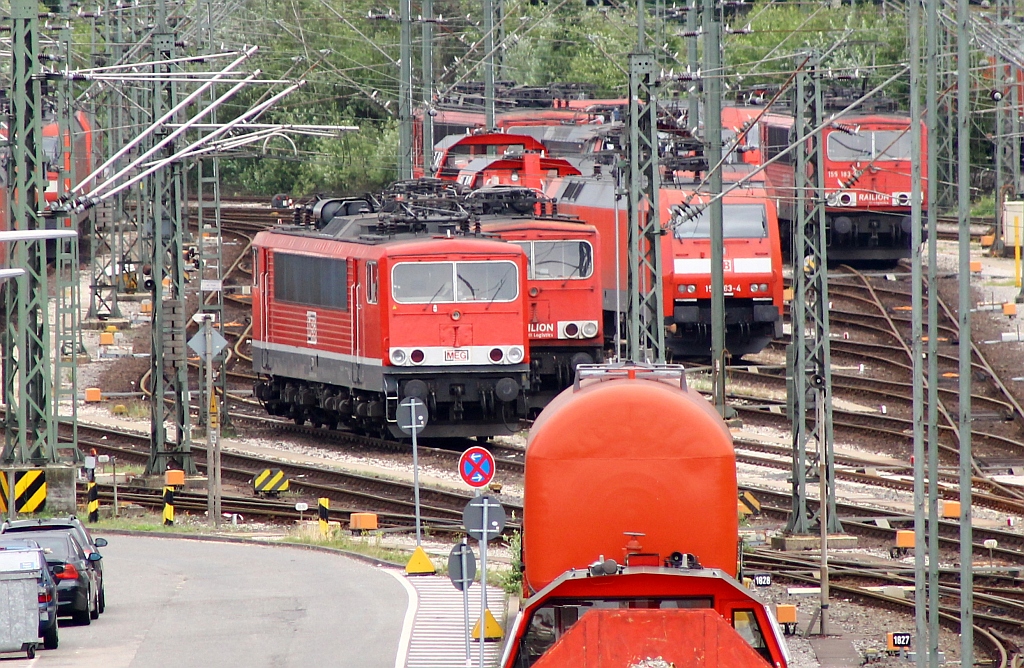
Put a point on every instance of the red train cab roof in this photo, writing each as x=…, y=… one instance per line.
x=498, y=139
x=641, y=581
x=403, y=245
x=542, y=228
x=875, y=121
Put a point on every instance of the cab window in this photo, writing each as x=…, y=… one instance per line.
x=550, y=622
x=559, y=260
x=371, y=282
x=439, y=282
x=739, y=221
x=746, y=624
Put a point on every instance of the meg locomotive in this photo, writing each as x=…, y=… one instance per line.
x=367, y=302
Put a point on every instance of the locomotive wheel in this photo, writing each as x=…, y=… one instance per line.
x=299, y=418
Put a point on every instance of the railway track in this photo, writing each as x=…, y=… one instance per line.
x=994, y=614
x=348, y=491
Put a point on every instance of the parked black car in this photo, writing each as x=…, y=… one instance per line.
x=85, y=539
x=47, y=588
x=74, y=571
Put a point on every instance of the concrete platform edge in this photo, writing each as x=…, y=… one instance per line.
x=254, y=541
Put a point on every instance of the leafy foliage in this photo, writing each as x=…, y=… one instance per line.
x=350, y=65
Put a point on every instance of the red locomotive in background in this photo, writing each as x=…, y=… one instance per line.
x=612, y=568
x=58, y=155
x=753, y=247
x=391, y=299
x=753, y=262
x=867, y=183
x=563, y=303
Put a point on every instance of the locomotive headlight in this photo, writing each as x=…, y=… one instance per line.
x=515, y=354
x=496, y=355
x=764, y=287
x=398, y=356
x=687, y=289
x=417, y=356
x=753, y=287
x=589, y=329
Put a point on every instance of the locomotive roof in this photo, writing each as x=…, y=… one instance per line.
x=299, y=239
x=502, y=224
x=864, y=118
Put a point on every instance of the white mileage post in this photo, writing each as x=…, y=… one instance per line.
x=412, y=418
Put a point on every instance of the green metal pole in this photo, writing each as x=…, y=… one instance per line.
x=693, y=64
x=489, y=63
x=917, y=299
x=168, y=369
x=713, y=150
x=645, y=310
x=932, y=124
x=405, y=93
x=963, y=138
x=428, y=85
x=27, y=371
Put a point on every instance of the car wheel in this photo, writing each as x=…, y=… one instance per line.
x=94, y=611
x=81, y=617
x=50, y=640
x=103, y=600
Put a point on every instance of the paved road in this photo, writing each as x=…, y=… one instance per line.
x=181, y=603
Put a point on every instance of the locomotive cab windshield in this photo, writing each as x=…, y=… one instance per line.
x=446, y=282
x=739, y=221
x=555, y=260
x=869, y=145
x=549, y=622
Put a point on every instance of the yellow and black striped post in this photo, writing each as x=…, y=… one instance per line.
x=94, y=502
x=322, y=506
x=168, y=506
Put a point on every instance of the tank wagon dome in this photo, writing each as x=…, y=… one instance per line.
x=620, y=455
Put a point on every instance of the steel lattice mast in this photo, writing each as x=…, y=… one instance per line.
x=168, y=369
x=26, y=349
x=645, y=308
x=810, y=353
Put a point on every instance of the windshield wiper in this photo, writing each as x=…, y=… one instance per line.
x=442, y=287
x=472, y=292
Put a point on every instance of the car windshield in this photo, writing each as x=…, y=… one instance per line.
x=439, y=282
x=739, y=221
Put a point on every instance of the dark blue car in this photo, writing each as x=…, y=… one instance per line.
x=74, y=572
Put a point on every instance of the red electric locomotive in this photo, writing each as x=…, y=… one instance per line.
x=376, y=301
x=753, y=249
x=610, y=571
x=753, y=262
x=77, y=145
x=563, y=305
x=867, y=183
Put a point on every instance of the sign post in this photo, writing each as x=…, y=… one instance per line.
x=484, y=519
x=476, y=467
x=208, y=343
x=412, y=418
x=462, y=571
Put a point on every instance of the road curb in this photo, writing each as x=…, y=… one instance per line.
x=250, y=541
